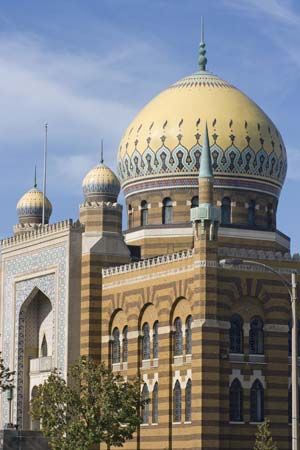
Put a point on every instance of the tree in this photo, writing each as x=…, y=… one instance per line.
x=96, y=406
x=264, y=439
x=6, y=376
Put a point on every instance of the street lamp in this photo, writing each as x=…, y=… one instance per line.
x=292, y=289
x=9, y=396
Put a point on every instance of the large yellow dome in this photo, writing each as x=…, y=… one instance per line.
x=162, y=146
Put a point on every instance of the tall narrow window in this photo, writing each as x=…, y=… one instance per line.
x=256, y=336
x=167, y=211
x=226, y=211
x=146, y=341
x=155, y=404
x=236, y=401
x=44, y=347
x=251, y=213
x=188, y=401
x=290, y=405
x=144, y=213
x=177, y=402
x=130, y=216
x=116, y=346
x=236, y=334
x=125, y=344
x=195, y=201
x=155, y=339
x=270, y=216
x=178, y=337
x=257, y=402
x=145, y=407
x=188, y=336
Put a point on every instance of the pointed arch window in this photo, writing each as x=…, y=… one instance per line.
x=195, y=201
x=178, y=348
x=130, y=216
x=44, y=347
x=155, y=404
x=177, y=402
x=116, y=346
x=167, y=211
x=146, y=341
x=257, y=402
x=188, y=335
x=155, y=339
x=145, y=407
x=236, y=401
x=144, y=213
x=188, y=401
x=226, y=211
x=251, y=213
x=125, y=344
x=256, y=336
x=236, y=335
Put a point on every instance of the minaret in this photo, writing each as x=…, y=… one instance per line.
x=206, y=334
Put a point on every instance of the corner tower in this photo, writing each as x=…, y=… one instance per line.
x=102, y=246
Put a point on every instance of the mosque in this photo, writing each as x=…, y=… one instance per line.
x=201, y=167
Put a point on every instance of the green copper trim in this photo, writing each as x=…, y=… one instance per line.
x=202, y=51
x=205, y=161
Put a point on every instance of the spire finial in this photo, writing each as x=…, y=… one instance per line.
x=202, y=51
x=101, y=159
x=205, y=161
x=35, y=183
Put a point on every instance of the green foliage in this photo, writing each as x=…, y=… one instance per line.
x=264, y=439
x=6, y=376
x=96, y=406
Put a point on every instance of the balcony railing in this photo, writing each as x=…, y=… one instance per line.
x=43, y=364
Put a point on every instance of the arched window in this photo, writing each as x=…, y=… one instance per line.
x=256, y=336
x=290, y=405
x=178, y=337
x=226, y=211
x=257, y=402
x=188, y=336
x=145, y=407
x=155, y=339
x=270, y=216
x=116, y=346
x=130, y=216
x=251, y=213
x=155, y=404
x=146, y=341
x=44, y=347
x=236, y=401
x=125, y=344
x=144, y=213
x=236, y=334
x=177, y=402
x=195, y=201
x=167, y=211
x=188, y=401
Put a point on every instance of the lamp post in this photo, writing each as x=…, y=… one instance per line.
x=292, y=289
x=9, y=396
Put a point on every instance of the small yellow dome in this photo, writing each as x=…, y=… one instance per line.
x=101, y=184
x=30, y=207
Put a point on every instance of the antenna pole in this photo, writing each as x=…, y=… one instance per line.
x=101, y=160
x=45, y=170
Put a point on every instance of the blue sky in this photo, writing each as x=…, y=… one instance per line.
x=88, y=66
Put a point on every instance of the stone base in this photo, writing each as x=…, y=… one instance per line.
x=22, y=440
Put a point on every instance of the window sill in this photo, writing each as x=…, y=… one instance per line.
x=144, y=424
x=236, y=357
x=187, y=423
x=154, y=424
x=176, y=423
x=149, y=363
x=257, y=359
x=256, y=423
x=236, y=423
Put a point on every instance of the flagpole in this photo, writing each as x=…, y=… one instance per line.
x=45, y=170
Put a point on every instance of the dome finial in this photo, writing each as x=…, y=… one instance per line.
x=35, y=183
x=202, y=51
x=101, y=159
